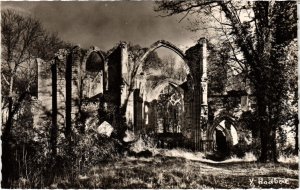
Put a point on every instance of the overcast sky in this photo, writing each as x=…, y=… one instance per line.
x=104, y=24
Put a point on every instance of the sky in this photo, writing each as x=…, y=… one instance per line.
x=104, y=24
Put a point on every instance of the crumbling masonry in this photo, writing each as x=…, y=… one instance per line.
x=75, y=78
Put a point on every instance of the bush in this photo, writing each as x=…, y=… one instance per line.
x=86, y=150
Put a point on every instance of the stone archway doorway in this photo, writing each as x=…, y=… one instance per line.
x=224, y=135
x=221, y=145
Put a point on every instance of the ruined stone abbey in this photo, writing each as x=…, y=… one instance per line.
x=76, y=83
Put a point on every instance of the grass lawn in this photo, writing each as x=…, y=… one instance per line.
x=174, y=172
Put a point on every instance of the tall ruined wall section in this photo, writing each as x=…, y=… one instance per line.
x=43, y=105
x=127, y=95
x=114, y=83
x=78, y=78
x=60, y=88
x=72, y=83
x=196, y=95
x=51, y=91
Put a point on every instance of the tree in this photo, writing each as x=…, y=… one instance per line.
x=18, y=37
x=289, y=114
x=23, y=40
x=173, y=69
x=152, y=61
x=256, y=29
x=134, y=69
x=218, y=59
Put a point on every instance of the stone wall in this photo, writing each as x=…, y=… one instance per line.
x=62, y=88
x=43, y=105
x=195, y=101
x=75, y=81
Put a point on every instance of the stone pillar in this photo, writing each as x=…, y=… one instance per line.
x=114, y=82
x=72, y=76
x=54, y=127
x=204, y=105
x=76, y=84
x=138, y=109
x=197, y=117
x=105, y=76
x=125, y=71
x=154, y=116
x=61, y=87
x=68, y=110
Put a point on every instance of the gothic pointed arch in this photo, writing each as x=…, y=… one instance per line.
x=157, y=88
x=93, y=60
x=168, y=45
x=227, y=121
x=92, y=72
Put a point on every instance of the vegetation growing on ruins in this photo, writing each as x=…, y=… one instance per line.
x=95, y=151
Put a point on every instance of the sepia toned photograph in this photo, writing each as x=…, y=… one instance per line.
x=199, y=94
